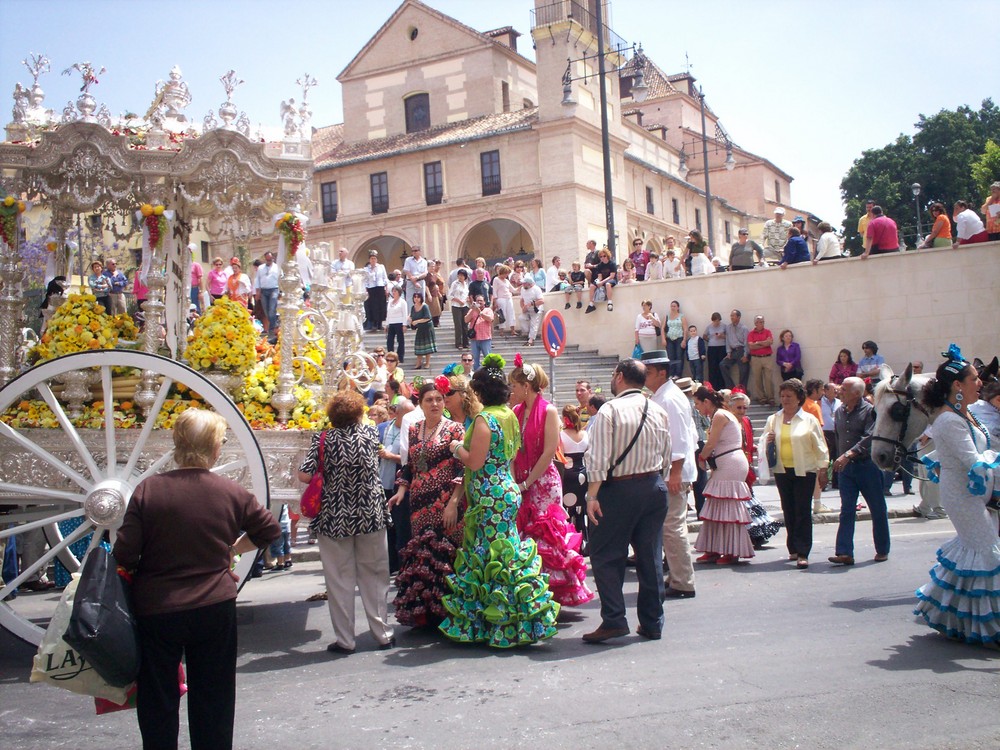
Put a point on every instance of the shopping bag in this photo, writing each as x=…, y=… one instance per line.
x=101, y=627
x=104, y=706
x=763, y=470
x=636, y=352
x=58, y=664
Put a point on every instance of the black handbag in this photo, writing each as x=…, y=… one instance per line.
x=101, y=627
x=772, y=454
x=658, y=331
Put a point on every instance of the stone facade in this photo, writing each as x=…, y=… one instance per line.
x=454, y=141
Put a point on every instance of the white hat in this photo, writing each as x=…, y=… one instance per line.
x=779, y=210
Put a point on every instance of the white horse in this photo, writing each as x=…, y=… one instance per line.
x=900, y=417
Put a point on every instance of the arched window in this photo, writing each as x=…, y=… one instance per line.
x=418, y=112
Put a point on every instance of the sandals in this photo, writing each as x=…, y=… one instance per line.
x=802, y=563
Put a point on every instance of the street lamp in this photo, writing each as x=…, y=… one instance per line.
x=721, y=136
x=915, y=187
x=639, y=92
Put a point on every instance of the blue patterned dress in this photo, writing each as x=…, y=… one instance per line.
x=499, y=594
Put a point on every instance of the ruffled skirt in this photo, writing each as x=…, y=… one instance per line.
x=425, y=562
x=500, y=598
x=962, y=599
x=543, y=519
x=725, y=519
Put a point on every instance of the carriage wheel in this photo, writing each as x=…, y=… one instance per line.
x=53, y=475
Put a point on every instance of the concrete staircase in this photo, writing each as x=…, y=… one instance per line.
x=572, y=365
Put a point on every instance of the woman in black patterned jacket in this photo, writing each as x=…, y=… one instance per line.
x=352, y=520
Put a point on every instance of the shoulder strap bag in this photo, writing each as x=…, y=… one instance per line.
x=635, y=437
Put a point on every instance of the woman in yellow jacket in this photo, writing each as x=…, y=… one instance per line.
x=802, y=455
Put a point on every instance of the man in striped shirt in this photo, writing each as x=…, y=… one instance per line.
x=627, y=502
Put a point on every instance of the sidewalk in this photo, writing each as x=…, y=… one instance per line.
x=899, y=505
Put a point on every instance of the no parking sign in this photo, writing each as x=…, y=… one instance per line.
x=554, y=333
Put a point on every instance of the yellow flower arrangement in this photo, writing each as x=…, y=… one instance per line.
x=127, y=329
x=79, y=325
x=259, y=387
x=223, y=338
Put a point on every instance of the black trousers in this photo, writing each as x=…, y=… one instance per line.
x=206, y=637
x=633, y=510
x=394, y=332
x=375, y=305
x=796, y=503
x=715, y=356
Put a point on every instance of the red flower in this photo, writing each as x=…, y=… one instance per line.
x=442, y=384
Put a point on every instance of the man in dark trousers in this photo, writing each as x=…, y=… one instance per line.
x=854, y=422
x=627, y=502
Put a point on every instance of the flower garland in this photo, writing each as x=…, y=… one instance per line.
x=79, y=325
x=9, y=210
x=291, y=229
x=223, y=338
x=156, y=223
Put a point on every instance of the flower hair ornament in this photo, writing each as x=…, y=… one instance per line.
x=442, y=384
x=454, y=369
x=494, y=364
x=738, y=389
x=956, y=362
x=528, y=370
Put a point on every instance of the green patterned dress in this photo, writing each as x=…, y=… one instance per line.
x=499, y=594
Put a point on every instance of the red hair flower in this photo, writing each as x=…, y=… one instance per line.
x=518, y=361
x=442, y=384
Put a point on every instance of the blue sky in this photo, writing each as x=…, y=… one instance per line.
x=807, y=84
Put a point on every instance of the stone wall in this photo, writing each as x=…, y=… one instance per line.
x=911, y=304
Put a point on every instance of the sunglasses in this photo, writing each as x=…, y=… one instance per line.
x=450, y=393
x=466, y=359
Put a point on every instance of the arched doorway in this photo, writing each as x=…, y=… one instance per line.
x=392, y=251
x=496, y=240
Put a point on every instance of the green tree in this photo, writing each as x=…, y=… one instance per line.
x=986, y=169
x=940, y=157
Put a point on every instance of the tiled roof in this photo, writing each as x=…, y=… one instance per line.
x=343, y=154
x=326, y=139
x=658, y=82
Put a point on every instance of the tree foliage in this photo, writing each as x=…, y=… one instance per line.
x=940, y=157
x=986, y=169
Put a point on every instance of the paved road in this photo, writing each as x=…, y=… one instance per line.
x=765, y=656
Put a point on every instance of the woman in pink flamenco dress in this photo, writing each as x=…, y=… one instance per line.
x=542, y=516
x=725, y=521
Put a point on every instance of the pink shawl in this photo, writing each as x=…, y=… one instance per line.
x=532, y=437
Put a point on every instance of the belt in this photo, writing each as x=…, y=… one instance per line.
x=643, y=475
x=760, y=355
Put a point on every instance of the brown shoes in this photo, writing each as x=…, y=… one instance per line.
x=604, y=633
x=841, y=560
x=881, y=558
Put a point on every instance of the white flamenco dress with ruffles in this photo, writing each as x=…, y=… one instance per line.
x=962, y=599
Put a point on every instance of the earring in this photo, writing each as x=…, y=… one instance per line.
x=958, y=397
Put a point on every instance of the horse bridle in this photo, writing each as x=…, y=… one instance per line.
x=900, y=412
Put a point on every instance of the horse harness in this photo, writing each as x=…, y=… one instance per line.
x=900, y=412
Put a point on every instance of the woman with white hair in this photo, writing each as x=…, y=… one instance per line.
x=178, y=539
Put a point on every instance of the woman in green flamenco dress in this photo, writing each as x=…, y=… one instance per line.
x=499, y=596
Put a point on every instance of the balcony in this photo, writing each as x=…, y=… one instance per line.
x=434, y=195
x=380, y=204
x=573, y=10
x=491, y=184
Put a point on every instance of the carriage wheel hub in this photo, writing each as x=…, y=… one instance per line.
x=106, y=503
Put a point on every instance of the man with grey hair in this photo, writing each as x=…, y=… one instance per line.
x=854, y=422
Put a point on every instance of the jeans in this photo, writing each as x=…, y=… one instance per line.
x=206, y=636
x=726, y=365
x=796, y=504
x=675, y=351
x=269, y=299
x=196, y=299
x=394, y=332
x=862, y=477
x=480, y=348
x=697, y=367
x=634, y=511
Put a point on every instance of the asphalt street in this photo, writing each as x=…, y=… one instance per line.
x=764, y=656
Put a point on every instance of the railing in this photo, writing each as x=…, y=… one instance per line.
x=380, y=204
x=572, y=10
x=434, y=196
x=491, y=184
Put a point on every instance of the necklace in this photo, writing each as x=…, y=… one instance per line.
x=973, y=421
x=422, y=458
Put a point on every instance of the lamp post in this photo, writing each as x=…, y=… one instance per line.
x=720, y=135
x=639, y=92
x=915, y=187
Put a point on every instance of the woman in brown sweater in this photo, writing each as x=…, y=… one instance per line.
x=178, y=538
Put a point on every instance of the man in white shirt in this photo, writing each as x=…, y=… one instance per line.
x=683, y=471
x=552, y=275
x=342, y=263
x=775, y=236
x=532, y=306
x=969, y=228
x=265, y=287
x=415, y=271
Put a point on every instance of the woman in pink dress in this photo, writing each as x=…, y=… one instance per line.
x=217, y=279
x=542, y=516
x=724, y=537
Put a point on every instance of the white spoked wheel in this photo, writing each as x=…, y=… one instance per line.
x=87, y=475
